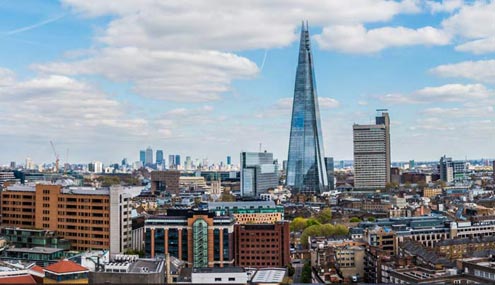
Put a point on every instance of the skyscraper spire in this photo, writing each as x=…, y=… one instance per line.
x=306, y=171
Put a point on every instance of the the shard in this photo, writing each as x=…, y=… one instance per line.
x=306, y=171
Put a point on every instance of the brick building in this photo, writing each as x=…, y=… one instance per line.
x=88, y=218
x=262, y=245
x=165, y=181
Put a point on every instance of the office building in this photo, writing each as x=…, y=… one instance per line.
x=200, y=238
x=177, y=161
x=165, y=181
x=159, y=157
x=188, y=164
x=88, y=218
x=329, y=164
x=306, y=171
x=372, y=154
x=171, y=161
x=148, y=159
x=95, y=167
x=262, y=245
x=258, y=173
x=229, y=160
x=142, y=156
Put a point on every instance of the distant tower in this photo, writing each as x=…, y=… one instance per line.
x=159, y=156
x=142, y=156
x=306, y=171
x=149, y=156
x=372, y=153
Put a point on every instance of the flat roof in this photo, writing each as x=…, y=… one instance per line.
x=38, y=249
x=227, y=269
x=271, y=275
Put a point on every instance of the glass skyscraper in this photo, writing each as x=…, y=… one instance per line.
x=306, y=170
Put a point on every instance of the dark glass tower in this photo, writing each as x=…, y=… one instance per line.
x=306, y=171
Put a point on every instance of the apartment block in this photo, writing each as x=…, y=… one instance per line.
x=89, y=218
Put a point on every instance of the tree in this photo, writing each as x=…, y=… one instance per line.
x=311, y=222
x=391, y=185
x=371, y=219
x=306, y=273
x=355, y=220
x=227, y=197
x=290, y=269
x=298, y=224
x=324, y=216
x=325, y=230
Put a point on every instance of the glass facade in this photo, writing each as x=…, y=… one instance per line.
x=259, y=172
x=306, y=171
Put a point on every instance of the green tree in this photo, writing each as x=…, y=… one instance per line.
x=355, y=220
x=311, y=222
x=298, y=224
x=324, y=216
x=290, y=269
x=371, y=219
x=306, y=273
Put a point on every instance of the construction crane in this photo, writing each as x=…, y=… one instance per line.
x=57, y=159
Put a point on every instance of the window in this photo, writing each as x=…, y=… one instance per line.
x=231, y=278
x=218, y=279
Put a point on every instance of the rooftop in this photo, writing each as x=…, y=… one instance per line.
x=271, y=275
x=65, y=266
x=38, y=249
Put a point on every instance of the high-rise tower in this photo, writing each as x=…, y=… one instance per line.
x=306, y=171
x=372, y=153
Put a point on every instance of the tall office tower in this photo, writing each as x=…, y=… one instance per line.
x=171, y=161
x=124, y=162
x=149, y=156
x=229, y=160
x=330, y=172
x=188, y=163
x=493, y=169
x=142, y=156
x=177, y=161
x=372, y=154
x=159, y=156
x=306, y=170
x=258, y=173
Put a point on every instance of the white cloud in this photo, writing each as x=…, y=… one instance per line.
x=482, y=46
x=169, y=75
x=444, y=93
x=228, y=25
x=474, y=23
x=481, y=70
x=356, y=39
x=444, y=6
x=482, y=112
x=60, y=107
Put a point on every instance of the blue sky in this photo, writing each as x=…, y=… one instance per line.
x=107, y=78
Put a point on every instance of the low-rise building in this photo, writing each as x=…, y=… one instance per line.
x=130, y=269
x=252, y=212
x=262, y=245
x=66, y=272
x=42, y=256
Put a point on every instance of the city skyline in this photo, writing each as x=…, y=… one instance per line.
x=427, y=62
